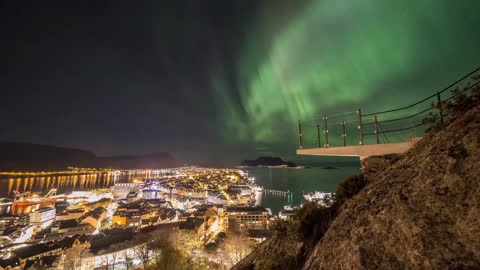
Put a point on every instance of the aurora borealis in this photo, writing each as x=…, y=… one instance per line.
x=336, y=56
x=220, y=80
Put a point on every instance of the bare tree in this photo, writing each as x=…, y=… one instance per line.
x=127, y=258
x=74, y=257
x=187, y=241
x=143, y=253
x=110, y=255
x=236, y=247
x=165, y=254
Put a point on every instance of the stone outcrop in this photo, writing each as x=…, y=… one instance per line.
x=374, y=165
x=418, y=211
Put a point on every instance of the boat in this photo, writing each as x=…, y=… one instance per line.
x=322, y=198
x=277, y=166
x=287, y=212
x=257, y=189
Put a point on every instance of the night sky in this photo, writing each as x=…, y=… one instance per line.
x=218, y=81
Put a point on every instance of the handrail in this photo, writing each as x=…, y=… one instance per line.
x=380, y=133
x=401, y=118
x=427, y=98
x=395, y=130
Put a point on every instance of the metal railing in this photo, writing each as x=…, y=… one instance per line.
x=380, y=124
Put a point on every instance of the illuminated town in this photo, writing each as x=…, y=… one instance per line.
x=112, y=226
x=240, y=135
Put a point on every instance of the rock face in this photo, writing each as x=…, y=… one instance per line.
x=421, y=211
x=374, y=165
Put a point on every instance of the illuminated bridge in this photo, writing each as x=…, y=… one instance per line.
x=391, y=131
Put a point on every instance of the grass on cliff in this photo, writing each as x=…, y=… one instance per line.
x=461, y=100
x=348, y=188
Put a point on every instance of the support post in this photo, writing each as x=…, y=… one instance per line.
x=300, y=143
x=318, y=136
x=440, y=109
x=360, y=125
x=377, y=131
x=344, y=133
x=325, y=130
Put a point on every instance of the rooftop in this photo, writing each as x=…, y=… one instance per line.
x=247, y=209
x=192, y=223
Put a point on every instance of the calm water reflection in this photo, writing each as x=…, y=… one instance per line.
x=65, y=183
x=299, y=182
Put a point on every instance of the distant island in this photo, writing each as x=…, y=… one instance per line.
x=36, y=157
x=268, y=162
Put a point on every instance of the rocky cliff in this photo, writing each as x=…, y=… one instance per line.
x=418, y=211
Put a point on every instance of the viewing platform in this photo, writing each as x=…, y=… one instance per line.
x=361, y=151
x=368, y=133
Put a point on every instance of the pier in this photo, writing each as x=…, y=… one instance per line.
x=277, y=192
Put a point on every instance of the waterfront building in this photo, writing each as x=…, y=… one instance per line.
x=16, y=235
x=217, y=198
x=150, y=193
x=79, y=229
x=121, y=190
x=242, y=218
x=242, y=190
x=70, y=214
x=95, y=217
x=14, y=220
x=43, y=217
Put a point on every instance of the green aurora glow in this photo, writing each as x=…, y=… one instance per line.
x=338, y=55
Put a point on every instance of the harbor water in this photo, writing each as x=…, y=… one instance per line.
x=298, y=182
x=283, y=180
